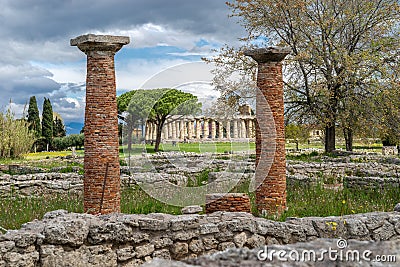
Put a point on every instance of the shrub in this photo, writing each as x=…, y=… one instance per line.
x=15, y=137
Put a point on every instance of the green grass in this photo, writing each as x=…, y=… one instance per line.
x=301, y=202
x=217, y=147
x=15, y=211
x=306, y=157
x=135, y=201
x=319, y=201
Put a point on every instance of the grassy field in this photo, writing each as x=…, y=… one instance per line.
x=218, y=147
x=301, y=202
x=310, y=201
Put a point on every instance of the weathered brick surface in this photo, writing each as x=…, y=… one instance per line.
x=102, y=180
x=232, y=202
x=270, y=134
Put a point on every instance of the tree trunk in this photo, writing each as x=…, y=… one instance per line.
x=130, y=128
x=330, y=134
x=348, y=137
x=158, y=138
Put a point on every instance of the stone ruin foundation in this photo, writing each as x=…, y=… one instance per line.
x=102, y=181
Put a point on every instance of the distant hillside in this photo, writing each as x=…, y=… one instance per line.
x=73, y=127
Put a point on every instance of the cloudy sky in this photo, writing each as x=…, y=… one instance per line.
x=37, y=59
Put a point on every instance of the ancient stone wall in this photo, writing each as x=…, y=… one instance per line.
x=70, y=239
x=385, y=253
x=67, y=183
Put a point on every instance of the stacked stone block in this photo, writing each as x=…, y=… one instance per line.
x=70, y=239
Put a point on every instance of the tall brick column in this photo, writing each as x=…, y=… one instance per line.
x=102, y=174
x=271, y=193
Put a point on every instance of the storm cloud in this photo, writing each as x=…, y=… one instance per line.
x=37, y=59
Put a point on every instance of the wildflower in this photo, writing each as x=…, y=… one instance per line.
x=343, y=201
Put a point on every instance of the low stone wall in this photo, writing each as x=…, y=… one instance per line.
x=390, y=150
x=40, y=184
x=371, y=182
x=72, y=183
x=357, y=253
x=70, y=239
x=342, y=169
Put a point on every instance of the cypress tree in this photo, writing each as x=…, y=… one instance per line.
x=33, y=117
x=47, y=122
x=58, y=128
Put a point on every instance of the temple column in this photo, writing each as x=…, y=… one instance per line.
x=169, y=127
x=190, y=129
x=206, y=128
x=154, y=128
x=101, y=185
x=235, y=129
x=228, y=130
x=242, y=128
x=251, y=128
x=181, y=130
x=174, y=130
x=198, y=129
x=220, y=130
x=147, y=131
x=165, y=131
x=213, y=129
x=271, y=193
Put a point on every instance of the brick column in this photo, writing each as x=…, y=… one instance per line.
x=102, y=178
x=271, y=193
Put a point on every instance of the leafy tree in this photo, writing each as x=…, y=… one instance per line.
x=124, y=100
x=58, y=128
x=72, y=140
x=129, y=118
x=158, y=105
x=297, y=132
x=172, y=102
x=47, y=122
x=34, y=117
x=339, y=49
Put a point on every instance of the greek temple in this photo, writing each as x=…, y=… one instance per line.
x=195, y=129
